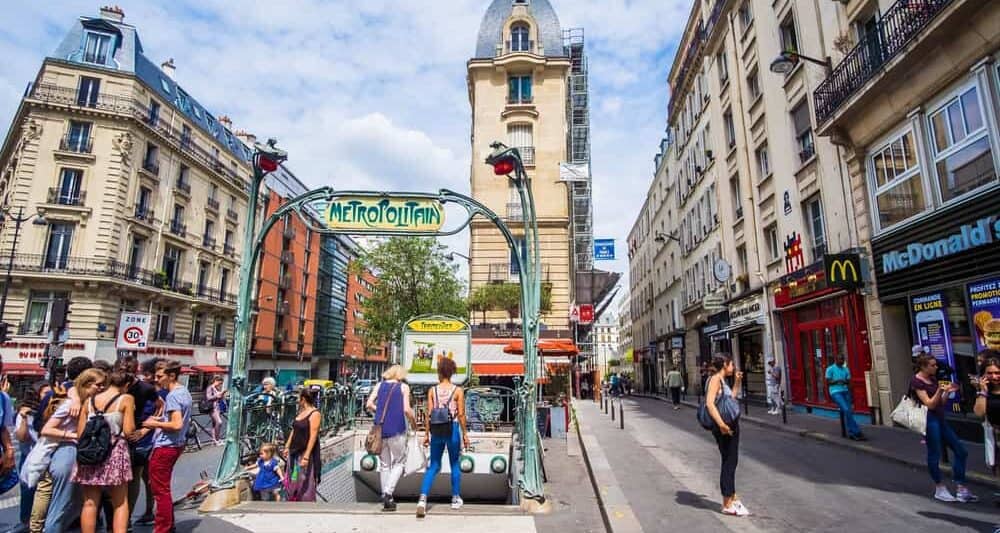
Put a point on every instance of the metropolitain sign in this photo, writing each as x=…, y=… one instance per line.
x=361, y=213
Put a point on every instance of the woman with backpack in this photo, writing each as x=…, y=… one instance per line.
x=445, y=427
x=103, y=458
x=723, y=406
x=213, y=396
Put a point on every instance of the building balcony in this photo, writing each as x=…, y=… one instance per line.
x=229, y=250
x=199, y=340
x=56, y=196
x=177, y=228
x=208, y=242
x=898, y=28
x=515, y=212
x=31, y=329
x=183, y=188
x=144, y=213
x=163, y=336
x=232, y=215
x=212, y=204
x=219, y=342
x=519, y=47
x=527, y=155
x=76, y=145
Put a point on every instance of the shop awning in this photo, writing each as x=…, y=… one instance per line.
x=210, y=369
x=546, y=347
x=498, y=369
x=23, y=369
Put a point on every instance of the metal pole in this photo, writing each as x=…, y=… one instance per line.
x=621, y=415
x=10, y=261
x=613, y=408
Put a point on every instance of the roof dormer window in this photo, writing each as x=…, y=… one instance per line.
x=97, y=48
x=519, y=38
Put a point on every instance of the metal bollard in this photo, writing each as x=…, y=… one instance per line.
x=843, y=426
x=621, y=415
x=784, y=410
x=613, y=409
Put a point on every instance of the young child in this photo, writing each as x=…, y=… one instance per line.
x=267, y=484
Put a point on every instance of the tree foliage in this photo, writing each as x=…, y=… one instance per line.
x=414, y=278
x=505, y=297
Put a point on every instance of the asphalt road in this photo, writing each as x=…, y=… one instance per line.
x=668, y=468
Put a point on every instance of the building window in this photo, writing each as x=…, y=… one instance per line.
x=209, y=233
x=219, y=335
x=135, y=256
x=171, y=265
x=745, y=15
x=178, y=215
x=164, y=324
x=727, y=119
x=763, y=162
x=741, y=256
x=142, y=203
x=753, y=84
x=87, y=93
x=771, y=238
x=895, y=178
x=96, y=49
x=154, y=112
x=70, y=181
x=203, y=270
x=814, y=221
x=78, y=138
x=223, y=282
x=520, y=90
x=519, y=38
x=963, y=159
x=185, y=136
x=802, y=123
x=57, y=251
x=789, y=40
x=36, y=322
x=520, y=136
x=734, y=190
x=151, y=159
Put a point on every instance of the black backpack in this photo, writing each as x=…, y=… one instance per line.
x=94, y=445
x=440, y=417
x=206, y=406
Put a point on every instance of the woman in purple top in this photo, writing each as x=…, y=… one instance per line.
x=214, y=394
x=926, y=388
x=390, y=401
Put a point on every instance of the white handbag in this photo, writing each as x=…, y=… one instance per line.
x=416, y=459
x=911, y=414
x=37, y=461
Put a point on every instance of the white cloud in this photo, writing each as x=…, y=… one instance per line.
x=373, y=94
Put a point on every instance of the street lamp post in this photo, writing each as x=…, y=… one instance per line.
x=507, y=161
x=451, y=256
x=786, y=61
x=18, y=220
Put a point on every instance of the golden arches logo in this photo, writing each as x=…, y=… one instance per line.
x=842, y=266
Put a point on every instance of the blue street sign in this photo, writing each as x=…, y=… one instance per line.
x=604, y=249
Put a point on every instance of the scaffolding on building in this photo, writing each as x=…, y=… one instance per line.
x=576, y=171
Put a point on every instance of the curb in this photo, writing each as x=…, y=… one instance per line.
x=977, y=477
x=601, y=500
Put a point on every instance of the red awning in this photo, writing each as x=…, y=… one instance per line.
x=498, y=369
x=23, y=369
x=188, y=370
x=210, y=369
x=547, y=348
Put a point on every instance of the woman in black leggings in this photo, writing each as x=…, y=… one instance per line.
x=727, y=434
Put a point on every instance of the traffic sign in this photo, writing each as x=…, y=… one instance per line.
x=133, y=331
x=574, y=313
x=586, y=313
x=604, y=249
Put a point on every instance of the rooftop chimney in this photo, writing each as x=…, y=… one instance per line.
x=169, y=68
x=225, y=121
x=248, y=138
x=113, y=13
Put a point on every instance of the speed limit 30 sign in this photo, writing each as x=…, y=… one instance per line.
x=133, y=331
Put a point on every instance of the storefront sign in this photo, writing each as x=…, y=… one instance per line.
x=932, y=327
x=429, y=340
x=361, y=213
x=843, y=270
x=133, y=331
x=984, y=231
x=677, y=342
x=984, y=299
x=745, y=310
x=586, y=314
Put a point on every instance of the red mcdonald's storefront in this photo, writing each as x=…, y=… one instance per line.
x=819, y=321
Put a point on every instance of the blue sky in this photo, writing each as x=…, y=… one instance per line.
x=373, y=94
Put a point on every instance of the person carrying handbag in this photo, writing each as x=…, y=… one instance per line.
x=724, y=408
x=390, y=401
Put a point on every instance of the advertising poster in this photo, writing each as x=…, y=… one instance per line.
x=984, y=300
x=929, y=313
x=427, y=341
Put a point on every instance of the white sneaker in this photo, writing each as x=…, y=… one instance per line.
x=456, y=502
x=736, y=509
x=422, y=506
x=965, y=496
x=942, y=493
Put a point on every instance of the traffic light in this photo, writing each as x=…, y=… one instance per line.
x=59, y=315
x=4, y=332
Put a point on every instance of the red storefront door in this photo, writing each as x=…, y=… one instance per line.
x=814, y=335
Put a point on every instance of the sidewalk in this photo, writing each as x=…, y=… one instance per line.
x=889, y=443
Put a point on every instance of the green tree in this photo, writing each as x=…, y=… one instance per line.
x=505, y=297
x=414, y=278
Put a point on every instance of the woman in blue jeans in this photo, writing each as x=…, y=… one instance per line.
x=927, y=389
x=449, y=396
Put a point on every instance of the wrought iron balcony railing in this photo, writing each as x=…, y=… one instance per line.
x=231, y=214
x=151, y=166
x=183, y=188
x=228, y=249
x=208, y=242
x=177, y=228
x=212, y=204
x=145, y=213
x=58, y=196
x=894, y=31
x=80, y=145
x=527, y=154
x=164, y=336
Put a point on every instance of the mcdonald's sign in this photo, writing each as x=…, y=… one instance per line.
x=843, y=271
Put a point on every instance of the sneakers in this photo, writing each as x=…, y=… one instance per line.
x=422, y=506
x=965, y=496
x=858, y=437
x=942, y=493
x=456, y=502
x=388, y=504
x=736, y=509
